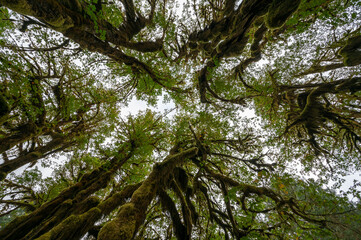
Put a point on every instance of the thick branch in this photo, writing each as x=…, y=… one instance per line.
x=131, y=215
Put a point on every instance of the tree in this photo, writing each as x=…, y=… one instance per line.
x=50, y=106
x=203, y=171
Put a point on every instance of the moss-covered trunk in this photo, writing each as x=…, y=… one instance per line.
x=76, y=225
x=52, y=213
x=30, y=157
x=23, y=134
x=131, y=215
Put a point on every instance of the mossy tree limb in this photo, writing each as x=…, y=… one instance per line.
x=76, y=225
x=168, y=205
x=132, y=214
x=90, y=183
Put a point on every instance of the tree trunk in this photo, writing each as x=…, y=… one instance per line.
x=30, y=157
x=52, y=213
x=131, y=215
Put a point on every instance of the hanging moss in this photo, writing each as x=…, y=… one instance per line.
x=61, y=22
x=232, y=48
x=181, y=178
x=280, y=11
x=169, y=206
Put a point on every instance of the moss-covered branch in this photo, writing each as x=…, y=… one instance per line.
x=53, y=212
x=131, y=215
x=76, y=225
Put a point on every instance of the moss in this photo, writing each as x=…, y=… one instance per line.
x=144, y=193
x=352, y=44
x=87, y=204
x=204, y=36
x=63, y=208
x=117, y=199
x=259, y=8
x=353, y=85
x=109, y=204
x=169, y=206
x=12, y=225
x=54, y=12
x=122, y=227
x=46, y=236
x=259, y=21
x=68, y=202
x=73, y=227
x=280, y=11
x=181, y=178
x=131, y=215
x=73, y=5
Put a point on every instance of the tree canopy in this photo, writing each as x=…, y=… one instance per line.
x=265, y=126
